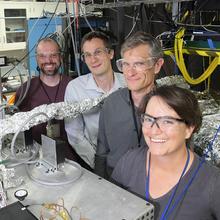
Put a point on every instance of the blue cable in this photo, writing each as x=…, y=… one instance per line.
x=209, y=148
x=210, y=43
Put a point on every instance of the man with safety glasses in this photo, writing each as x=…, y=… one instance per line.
x=82, y=131
x=49, y=87
x=119, y=124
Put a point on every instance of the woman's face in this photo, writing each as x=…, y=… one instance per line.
x=164, y=135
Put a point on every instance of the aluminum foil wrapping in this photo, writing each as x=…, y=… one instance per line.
x=171, y=80
x=204, y=139
x=207, y=104
x=9, y=177
x=211, y=121
x=59, y=110
x=3, y=196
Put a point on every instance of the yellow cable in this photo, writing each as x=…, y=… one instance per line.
x=56, y=207
x=11, y=100
x=182, y=66
x=205, y=75
x=178, y=47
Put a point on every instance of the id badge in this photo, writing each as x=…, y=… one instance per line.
x=53, y=129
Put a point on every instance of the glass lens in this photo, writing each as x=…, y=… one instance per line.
x=164, y=122
x=147, y=121
x=140, y=66
x=97, y=53
x=119, y=65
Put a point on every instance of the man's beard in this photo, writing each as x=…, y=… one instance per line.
x=50, y=73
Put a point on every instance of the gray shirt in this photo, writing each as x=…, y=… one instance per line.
x=117, y=132
x=201, y=201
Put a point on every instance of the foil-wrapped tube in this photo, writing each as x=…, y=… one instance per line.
x=59, y=111
x=207, y=103
x=202, y=139
x=178, y=80
x=207, y=139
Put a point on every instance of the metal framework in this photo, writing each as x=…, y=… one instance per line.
x=115, y=3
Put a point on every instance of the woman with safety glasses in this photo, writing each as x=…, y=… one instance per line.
x=179, y=183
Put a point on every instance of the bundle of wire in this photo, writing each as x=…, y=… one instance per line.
x=178, y=50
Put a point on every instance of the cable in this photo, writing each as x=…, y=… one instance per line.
x=32, y=28
x=205, y=28
x=3, y=106
x=11, y=162
x=196, y=25
x=73, y=41
x=22, y=93
x=84, y=16
x=178, y=50
x=125, y=15
x=209, y=147
x=23, y=96
x=64, y=214
x=135, y=22
x=59, y=210
x=68, y=26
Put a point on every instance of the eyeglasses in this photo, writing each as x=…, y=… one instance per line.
x=141, y=65
x=97, y=53
x=163, y=122
x=49, y=55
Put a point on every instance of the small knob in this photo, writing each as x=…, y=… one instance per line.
x=20, y=194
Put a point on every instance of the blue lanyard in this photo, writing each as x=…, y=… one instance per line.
x=163, y=216
x=148, y=179
x=186, y=187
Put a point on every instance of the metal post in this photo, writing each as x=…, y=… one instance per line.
x=1, y=111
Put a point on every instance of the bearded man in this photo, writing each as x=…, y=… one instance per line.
x=49, y=87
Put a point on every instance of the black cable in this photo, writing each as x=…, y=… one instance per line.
x=164, y=17
x=203, y=2
x=136, y=18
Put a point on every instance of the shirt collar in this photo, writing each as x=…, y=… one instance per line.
x=117, y=83
x=91, y=84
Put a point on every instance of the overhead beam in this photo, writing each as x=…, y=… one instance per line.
x=116, y=4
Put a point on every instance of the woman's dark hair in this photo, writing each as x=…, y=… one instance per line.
x=182, y=101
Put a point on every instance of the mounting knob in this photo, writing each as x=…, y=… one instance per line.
x=20, y=194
